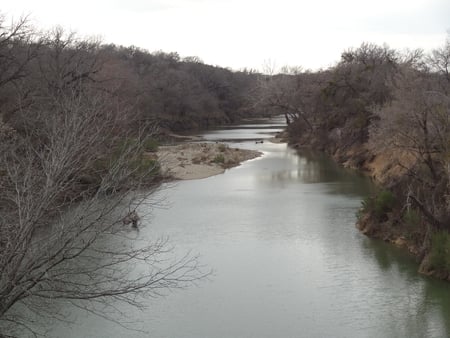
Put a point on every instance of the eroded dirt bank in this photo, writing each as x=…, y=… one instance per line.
x=393, y=224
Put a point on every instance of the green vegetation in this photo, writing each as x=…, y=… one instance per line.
x=382, y=203
x=151, y=145
x=144, y=167
x=412, y=218
x=132, y=153
x=440, y=251
x=219, y=159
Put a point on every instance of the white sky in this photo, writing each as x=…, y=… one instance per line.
x=248, y=33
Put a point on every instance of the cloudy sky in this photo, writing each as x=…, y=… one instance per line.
x=248, y=33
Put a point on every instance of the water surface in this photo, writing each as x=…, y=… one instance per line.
x=279, y=233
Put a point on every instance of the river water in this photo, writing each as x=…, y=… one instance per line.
x=287, y=260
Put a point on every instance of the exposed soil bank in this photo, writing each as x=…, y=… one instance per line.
x=387, y=173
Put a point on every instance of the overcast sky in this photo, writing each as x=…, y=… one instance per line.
x=248, y=33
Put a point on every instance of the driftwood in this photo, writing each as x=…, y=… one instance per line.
x=132, y=218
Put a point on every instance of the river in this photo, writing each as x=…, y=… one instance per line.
x=287, y=260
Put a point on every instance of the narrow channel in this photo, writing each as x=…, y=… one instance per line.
x=278, y=232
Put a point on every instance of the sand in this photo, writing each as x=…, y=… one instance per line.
x=189, y=161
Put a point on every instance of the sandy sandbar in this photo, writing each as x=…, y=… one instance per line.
x=189, y=161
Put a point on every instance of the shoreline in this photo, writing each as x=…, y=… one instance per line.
x=385, y=174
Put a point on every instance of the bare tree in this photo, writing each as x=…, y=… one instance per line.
x=417, y=124
x=67, y=181
x=291, y=93
x=439, y=60
x=19, y=45
x=68, y=60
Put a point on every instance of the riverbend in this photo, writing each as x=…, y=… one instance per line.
x=278, y=232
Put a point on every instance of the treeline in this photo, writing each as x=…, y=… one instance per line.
x=388, y=113
x=176, y=93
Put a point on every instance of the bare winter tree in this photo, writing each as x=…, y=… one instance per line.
x=290, y=93
x=64, y=196
x=417, y=124
x=68, y=169
x=68, y=60
x=439, y=60
x=19, y=45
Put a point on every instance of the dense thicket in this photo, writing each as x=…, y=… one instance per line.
x=389, y=113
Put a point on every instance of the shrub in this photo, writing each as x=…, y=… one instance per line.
x=123, y=145
x=100, y=164
x=222, y=147
x=367, y=204
x=144, y=166
x=220, y=159
x=140, y=164
x=412, y=218
x=440, y=251
x=382, y=203
x=151, y=145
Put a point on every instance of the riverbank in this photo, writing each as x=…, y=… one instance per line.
x=190, y=160
x=389, y=215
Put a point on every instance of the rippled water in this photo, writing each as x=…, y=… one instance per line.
x=279, y=233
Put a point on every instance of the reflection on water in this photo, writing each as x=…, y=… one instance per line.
x=279, y=233
x=305, y=166
x=424, y=302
